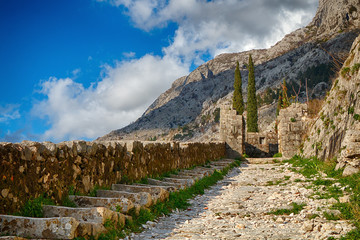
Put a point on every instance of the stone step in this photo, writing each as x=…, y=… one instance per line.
x=93, y=214
x=39, y=228
x=210, y=169
x=186, y=182
x=168, y=188
x=157, y=193
x=90, y=229
x=204, y=172
x=143, y=199
x=163, y=183
x=11, y=238
x=184, y=176
x=123, y=204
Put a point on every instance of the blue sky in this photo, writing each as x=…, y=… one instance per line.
x=79, y=69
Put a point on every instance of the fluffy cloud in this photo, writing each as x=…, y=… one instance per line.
x=219, y=26
x=121, y=96
x=9, y=112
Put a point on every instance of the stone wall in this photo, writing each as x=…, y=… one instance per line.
x=30, y=169
x=232, y=131
x=292, y=126
x=261, y=144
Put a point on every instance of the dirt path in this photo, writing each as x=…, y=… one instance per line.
x=237, y=207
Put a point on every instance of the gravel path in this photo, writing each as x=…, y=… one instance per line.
x=236, y=207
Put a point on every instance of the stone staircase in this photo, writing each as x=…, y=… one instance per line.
x=91, y=213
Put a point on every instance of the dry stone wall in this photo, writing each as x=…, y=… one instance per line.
x=232, y=131
x=292, y=126
x=29, y=169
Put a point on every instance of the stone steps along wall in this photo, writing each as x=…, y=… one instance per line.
x=292, y=127
x=30, y=169
x=92, y=212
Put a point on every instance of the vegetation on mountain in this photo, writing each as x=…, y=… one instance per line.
x=238, y=101
x=252, y=108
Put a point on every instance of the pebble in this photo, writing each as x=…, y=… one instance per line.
x=237, y=208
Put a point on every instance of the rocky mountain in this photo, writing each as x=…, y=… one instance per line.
x=192, y=100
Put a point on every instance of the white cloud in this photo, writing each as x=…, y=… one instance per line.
x=9, y=112
x=119, y=98
x=129, y=54
x=219, y=26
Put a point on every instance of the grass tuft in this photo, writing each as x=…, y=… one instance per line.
x=296, y=208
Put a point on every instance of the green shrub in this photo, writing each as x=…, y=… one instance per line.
x=351, y=110
x=357, y=117
x=217, y=115
x=355, y=68
x=33, y=207
x=277, y=155
x=292, y=119
x=345, y=72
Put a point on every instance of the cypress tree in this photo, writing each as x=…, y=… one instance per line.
x=285, y=100
x=238, y=102
x=279, y=105
x=252, y=114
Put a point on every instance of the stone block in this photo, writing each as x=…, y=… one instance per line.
x=183, y=182
x=95, y=214
x=166, y=184
x=157, y=193
x=87, y=229
x=142, y=198
x=40, y=228
x=114, y=204
x=350, y=170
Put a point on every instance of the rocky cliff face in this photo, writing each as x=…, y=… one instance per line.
x=332, y=31
x=336, y=131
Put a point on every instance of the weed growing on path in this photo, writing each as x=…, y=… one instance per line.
x=296, y=208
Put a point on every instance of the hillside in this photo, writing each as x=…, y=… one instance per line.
x=191, y=102
x=336, y=131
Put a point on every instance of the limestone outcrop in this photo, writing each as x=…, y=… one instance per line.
x=336, y=131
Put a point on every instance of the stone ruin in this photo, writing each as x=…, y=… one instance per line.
x=292, y=125
x=232, y=131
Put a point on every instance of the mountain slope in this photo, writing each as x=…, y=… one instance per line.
x=336, y=131
x=332, y=31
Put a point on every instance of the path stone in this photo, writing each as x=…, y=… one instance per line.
x=237, y=207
